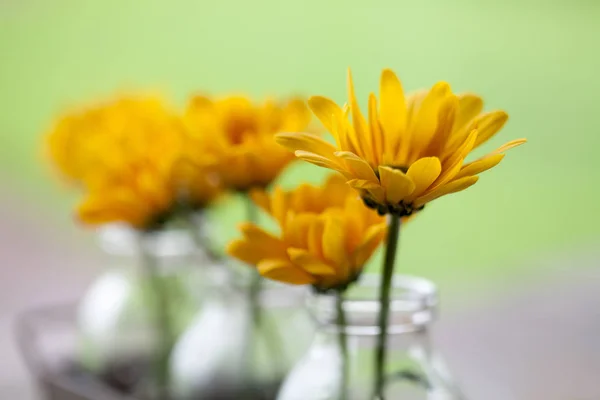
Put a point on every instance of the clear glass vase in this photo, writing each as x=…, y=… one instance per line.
x=116, y=318
x=228, y=354
x=413, y=369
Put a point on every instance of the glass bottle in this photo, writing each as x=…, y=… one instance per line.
x=226, y=354
x=115, y=318
x=414, y=370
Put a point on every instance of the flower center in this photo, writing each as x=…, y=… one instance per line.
x=239, y=126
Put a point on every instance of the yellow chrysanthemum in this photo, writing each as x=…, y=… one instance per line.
x=409, y=151
x=84, y=140
x=129, y=156
x=239, y=135
x=327, y=236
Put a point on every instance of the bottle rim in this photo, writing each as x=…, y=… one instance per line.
x=413, y=306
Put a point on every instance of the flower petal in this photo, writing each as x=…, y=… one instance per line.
x=393, y=112
x=297, y=229
x=315, y=237
x=310, y=263
x=305, y=141
x=509, y=145
x=452, y=187
x=425, y=122
x=469, y=106
x=396, y=184
x=280, y=206
x=284, y=271
x=325, y=110
x=321, y=161
x=334, y=245
x=488, y=125
x=261, y=199
x=363, y=184
x=376, y=129
x=423, y=173
x=360, y=135
x=369, y=189
x=443, y=132
x=479, y=166
x=452, y=166
x=359, y=167
x=372, y=238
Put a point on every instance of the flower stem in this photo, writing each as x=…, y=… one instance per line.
x=384, y=304
x=162, y=321
x=256, y=280
x=343, y=342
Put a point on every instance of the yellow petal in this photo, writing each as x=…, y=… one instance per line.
x=360, y=136
x=279, y=205
x=509, y=145
x=443, y=132
x=261, y=199
x=452, y=187
x=369, y=189
x=488, y=125
x=469, y=106
x=315, y=237
x=310, y=263
x=452, y=166
x=321, y=161
x=392, y=109
x=373, y=237
x=413, y=105
x=376, y=131
x=325, y=110
x=363, y=184
x=306, y=142
x=359, y=167
x=284, y=271
x=479, y=166
x=244, y=251
x=297, y=227
x=260, y=237
x=425, y=122
x=396, y=184
x=334, y=245
x=120, y=205
x=423, y=173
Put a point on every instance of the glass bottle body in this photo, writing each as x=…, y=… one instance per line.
x=231, y=352
x=340, y=364
x=115, y=316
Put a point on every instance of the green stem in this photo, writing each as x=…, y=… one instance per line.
x=163, y=328
x=343, y=342
x=384, y=304
x=256, y=282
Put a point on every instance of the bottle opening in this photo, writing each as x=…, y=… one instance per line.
x=413, y=306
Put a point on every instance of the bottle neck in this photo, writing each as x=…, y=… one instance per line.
x=412, y=308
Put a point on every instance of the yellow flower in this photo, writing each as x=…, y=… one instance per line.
x=239, y=135
x=326, y=237
x=139, y=193
x=84, y=140
x=409, y=151
x=129, y=155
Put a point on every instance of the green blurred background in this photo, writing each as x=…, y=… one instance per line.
x=538, y=60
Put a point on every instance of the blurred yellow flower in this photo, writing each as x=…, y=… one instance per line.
x=409, y=151
x=85, y=139
x=327, y=236
x=129, y=155
x=239, y=135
